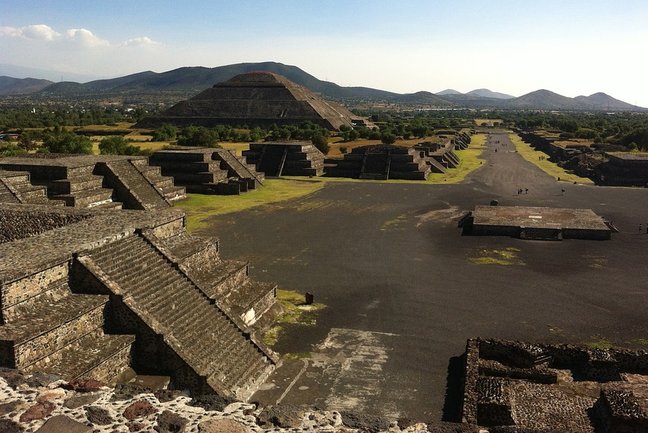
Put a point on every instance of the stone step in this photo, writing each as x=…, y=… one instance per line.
x=52, y=292
x=86, y=198
x=98, y=356
x=184, y=245
x=28, y=192
x=173, y=193
x=49, y=326
x=74, y=185
x=111, y=205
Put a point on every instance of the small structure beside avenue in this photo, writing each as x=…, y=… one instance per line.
x=541, y=223
x=520, y=387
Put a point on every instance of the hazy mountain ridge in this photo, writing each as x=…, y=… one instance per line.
x=188, y=81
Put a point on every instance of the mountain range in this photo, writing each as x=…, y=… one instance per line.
x=187, y=81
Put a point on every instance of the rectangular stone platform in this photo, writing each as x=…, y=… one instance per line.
x=537, y=223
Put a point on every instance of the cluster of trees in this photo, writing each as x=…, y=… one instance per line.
x=628, y=129
x=48, y=116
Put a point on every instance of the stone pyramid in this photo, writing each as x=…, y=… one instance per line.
x=254, y=99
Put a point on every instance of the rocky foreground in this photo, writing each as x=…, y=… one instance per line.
x=45, y=404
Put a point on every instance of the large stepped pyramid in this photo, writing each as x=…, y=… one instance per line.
x=254, y=99
x=207, y=171
x=285, y=158
x=86, y=181
x=88, y=293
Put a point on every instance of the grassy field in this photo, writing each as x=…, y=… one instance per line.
x=552, y=169
x=200, y=207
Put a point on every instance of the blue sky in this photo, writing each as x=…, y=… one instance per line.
x=575, y=47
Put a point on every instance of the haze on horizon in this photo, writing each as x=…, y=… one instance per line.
x=572, y=48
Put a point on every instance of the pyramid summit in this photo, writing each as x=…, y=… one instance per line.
x=254, y=99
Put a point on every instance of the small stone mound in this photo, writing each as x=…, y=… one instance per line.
x=210, y=402
x=369, y=423
x=281, y=415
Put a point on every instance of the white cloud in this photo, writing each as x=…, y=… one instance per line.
x=39, y=32
x=85, y=38
x=143, y=41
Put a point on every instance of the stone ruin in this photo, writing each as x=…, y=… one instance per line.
x=294, y=158
x=517, y=387
x=208, y=171
x=86, y=181
x=254, y=99
x=88, y=293
x=537, y=223
x=381, y=162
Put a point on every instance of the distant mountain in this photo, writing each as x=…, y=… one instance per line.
x=602, y=101
x=485, y=93
x=422, y=98
x=21, y=86
x=54, y=76
x=181, y=83
x=544, y=100
x=449, y=92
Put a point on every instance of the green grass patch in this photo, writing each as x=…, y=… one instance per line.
x=294, y=313
x=505, y=257
x=533, y=156
x=395, y=223
x=640, y=341
x=599, y=343
x=200, y=207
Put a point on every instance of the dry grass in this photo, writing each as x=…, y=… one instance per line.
x=552, y=169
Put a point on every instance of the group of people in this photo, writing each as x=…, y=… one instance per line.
x=523, y=190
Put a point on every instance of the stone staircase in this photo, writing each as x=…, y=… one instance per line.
x=16, y=187
x=161, y=294
x=131, y=186
x=237, y=167
x=226, y=282
x=199, y=172
x=47, y=328
x=81, y=188
x=285, y=159
x=164, y=184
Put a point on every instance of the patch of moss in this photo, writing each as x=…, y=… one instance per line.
x=505, y=257
x=600, y=343
x=294, y=313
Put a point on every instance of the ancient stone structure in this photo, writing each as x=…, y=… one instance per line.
x=381, y=162
x=439, y=156
x=624, y=169
x=208, y=171
x=540, y=223
x=285, y=158
x=520, y=387
x=87, y=293
x=254, y=99
x=86, y=181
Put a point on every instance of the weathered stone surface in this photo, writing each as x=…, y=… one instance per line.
x=37, y=411
x=281, y=415
x=12, y=377
x=139, y=409
x=98, y=415
x=42, y=379
x=165, y=395
x=63, y=424
x=127, y=391
x=222, y=426
x=136, y=426
x=369, y=423
x=53, y=394
x=210, y=402
x=9, y=426
x=12, y=406
x=81, y=400
x=84, y=385
x=169, y=422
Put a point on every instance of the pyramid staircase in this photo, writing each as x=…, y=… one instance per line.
x=16, y=187
x=47, y=328
x=132, y=186
x=157, y=289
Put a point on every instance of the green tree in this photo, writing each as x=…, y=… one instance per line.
x=198, y=136
x=388, y=138
x=321, y=142
x=117, y=145
x=165, y=132
x=67, y=142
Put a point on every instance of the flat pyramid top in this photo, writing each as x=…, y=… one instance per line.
x=257, y=78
